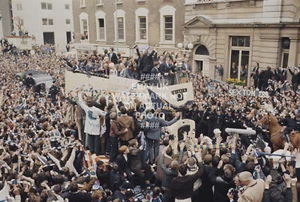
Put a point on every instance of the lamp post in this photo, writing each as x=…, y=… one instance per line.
x=185, y=48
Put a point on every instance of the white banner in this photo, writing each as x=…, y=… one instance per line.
x=176, y=95
x=128, y=89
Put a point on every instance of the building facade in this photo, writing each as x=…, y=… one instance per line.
x=5, y=18
x=100, y=24
x=240, y=33
x=46, y=21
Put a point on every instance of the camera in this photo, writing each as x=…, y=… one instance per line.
x=234, y=191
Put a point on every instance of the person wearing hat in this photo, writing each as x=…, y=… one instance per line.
x=121, y=194
x=253, y=189
x=29, y=81
x=130, y=195
x=218, y=118
x=53, y=92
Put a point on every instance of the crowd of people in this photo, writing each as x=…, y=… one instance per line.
x=51, y=142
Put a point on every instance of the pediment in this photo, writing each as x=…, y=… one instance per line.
x=198, y=21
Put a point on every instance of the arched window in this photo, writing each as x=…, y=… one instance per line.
x=167, y=25
x=84, y=26
x=202, y=50
x=141, y=25
x=100, y=26
x=120, y=29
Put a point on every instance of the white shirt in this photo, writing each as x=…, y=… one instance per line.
x=92, y=121
x=4, y=193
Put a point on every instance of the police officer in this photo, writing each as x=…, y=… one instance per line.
x=53, y=92
x=290, y=126
x=29, y=81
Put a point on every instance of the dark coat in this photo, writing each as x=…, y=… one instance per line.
x=168, y=174
x=135, y=162
x=221, y=186
x=155, y=125
x=123, y=164
x=77, y=196
x=182, y=186
x=113, y=57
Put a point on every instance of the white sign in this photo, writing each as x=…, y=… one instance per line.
x=250, y=93
x=176, y=94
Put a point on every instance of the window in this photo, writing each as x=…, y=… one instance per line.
x=101, y=29
x=121, y=28
x=82, y=3
x=84, y=26
x=141, y=18
x=50, y=21
x=19, y=7
x=84, y=29
x=143, y=28
x=68, y=21
x=239, y=57
x=167, y=25
x=46, y=6
x=241, y=41
x=49, y=6
x=45, y=21
x=67, y=6
x=168, y=28
x=100, y=26
x=99, y=2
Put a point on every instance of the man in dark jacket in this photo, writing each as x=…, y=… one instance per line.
x=290, y=125
x=145, y=61
x=140, y=169
x=29, y=81
x=268, y=74
x=53, y=92
x=74, y=195
x=112, y=56
x=153, y=124
x=295, y=78
x=182, y=186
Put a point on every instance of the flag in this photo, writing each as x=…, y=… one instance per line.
x=178, y=96
x=159, y=102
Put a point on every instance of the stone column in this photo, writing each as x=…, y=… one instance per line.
x=293, y=52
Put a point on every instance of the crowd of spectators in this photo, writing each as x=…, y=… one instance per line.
x=50, y=142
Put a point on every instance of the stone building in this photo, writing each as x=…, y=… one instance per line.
x=46, y=21
x=100, y=24
x=5, y=18
x=240, y=33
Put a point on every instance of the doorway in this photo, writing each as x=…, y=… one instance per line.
x=68, y=34
x=49, y=38
x=199, y=66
